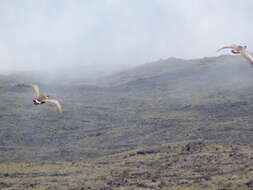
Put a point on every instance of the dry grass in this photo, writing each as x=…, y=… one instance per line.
x=183, y=166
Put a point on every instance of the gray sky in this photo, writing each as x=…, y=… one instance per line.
x=66, y=33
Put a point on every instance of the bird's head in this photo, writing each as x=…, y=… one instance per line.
x=240, y=48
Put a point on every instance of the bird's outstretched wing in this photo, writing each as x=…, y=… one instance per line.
x=248, y=56
x=228, y=47
x=56, y=104
x=33, y=86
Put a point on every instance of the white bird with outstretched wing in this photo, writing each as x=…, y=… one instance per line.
x=237, y=49
x=41, y=99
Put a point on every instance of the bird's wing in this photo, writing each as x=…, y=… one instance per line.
x=56, y=104
x=228, y=47
x=247, y=56
x=34, y=87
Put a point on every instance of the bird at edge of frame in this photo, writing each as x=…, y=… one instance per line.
x=238, y=49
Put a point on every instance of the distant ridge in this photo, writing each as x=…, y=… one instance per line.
x=224, y=67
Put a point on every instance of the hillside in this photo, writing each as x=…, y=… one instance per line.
x=191, y=165
x=209, y=98
x=223, y=67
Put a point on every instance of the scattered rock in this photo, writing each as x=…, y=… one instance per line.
x=4, y=185
x=193, y=147
x=249, y=183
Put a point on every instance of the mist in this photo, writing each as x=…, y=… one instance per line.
x=94, y=38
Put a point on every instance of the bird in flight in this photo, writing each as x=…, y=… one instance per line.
x=41, y=99
x=237, y=49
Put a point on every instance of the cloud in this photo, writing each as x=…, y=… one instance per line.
x=64, y=34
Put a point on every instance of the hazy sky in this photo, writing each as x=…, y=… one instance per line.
x=64, y=33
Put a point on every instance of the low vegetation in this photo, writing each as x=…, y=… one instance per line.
x=205, y=106
x=183, y=166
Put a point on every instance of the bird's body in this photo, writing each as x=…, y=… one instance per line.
x=237, y=49
x=41, y=99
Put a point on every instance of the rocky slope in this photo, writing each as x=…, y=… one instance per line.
x=191, y=165
x=167, y=101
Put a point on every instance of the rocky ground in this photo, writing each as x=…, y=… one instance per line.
x=172, y=124
x=188, y=165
